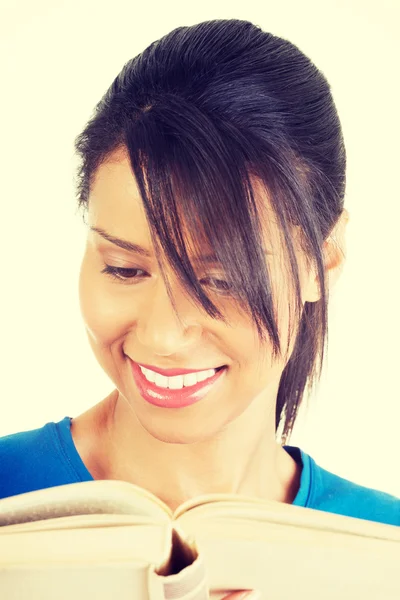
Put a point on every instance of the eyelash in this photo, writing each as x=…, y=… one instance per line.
x=120, y=274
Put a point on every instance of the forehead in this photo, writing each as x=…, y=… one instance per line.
x=114, y=185
x=114, y=201
x=115, y=204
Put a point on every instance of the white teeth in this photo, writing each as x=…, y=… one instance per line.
x=175, y=383
x=150, y=375
x=189, y=379
x=161, y=380
x=178, y=381
x=205, y=374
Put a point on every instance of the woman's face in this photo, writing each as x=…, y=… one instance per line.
x=133, y=320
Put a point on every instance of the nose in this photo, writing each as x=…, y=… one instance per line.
x=162, y=330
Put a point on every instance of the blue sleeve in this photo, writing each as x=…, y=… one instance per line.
x=335, y=494
x=31, y=460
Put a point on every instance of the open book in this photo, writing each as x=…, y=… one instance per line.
x=113, y=540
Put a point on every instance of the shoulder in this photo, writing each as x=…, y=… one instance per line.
x=29, y=460
x=19, y=446
x=332, y=493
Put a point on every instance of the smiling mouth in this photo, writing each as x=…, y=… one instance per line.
x=176, y=371
x=168, y=397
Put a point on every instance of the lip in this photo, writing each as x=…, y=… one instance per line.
x=173, y=372
x=167, y=398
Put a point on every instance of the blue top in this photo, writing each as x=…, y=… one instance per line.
x=47, y=457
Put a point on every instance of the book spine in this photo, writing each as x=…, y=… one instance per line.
x=189, y=584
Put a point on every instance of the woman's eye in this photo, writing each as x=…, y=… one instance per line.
x=125, y=274
x=220, y=285
x=121, y=273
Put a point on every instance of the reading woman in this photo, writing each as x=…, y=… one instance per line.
x=212, y=182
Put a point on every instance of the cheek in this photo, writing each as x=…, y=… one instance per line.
x=99, y=305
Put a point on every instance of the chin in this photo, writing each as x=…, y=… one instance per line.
x=170, y=438
x=170, y=431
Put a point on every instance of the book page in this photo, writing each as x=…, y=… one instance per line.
x=88, y=497
x=207, y=499
x=236, y=508
x=80, y=522
x=75, y=582
x=291, y=561
x=114, y=544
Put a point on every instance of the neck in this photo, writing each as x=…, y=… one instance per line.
x=244, y=459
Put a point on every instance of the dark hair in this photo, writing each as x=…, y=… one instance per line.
x=202, y=111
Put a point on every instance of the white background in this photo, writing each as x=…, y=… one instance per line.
x=57, y=60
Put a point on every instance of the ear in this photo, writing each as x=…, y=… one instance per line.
x=334, y=249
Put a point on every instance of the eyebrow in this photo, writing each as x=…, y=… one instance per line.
x=210, y=258
x=122, y=243
x=136, y=248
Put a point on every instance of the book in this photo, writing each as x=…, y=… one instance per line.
x=108, y=539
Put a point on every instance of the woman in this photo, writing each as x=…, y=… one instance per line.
x=212, y=177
